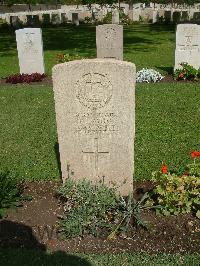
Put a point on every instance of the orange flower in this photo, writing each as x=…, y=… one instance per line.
x=195, y=154
x=164, y=169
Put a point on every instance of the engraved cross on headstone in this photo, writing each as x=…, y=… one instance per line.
x=96, y=153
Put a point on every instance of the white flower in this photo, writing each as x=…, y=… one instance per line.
x=148, y=75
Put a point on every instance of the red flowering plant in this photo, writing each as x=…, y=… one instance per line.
x=25, y=78
x=177, y=191
x=187, y=72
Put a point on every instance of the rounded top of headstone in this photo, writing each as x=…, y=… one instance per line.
x=99, y=61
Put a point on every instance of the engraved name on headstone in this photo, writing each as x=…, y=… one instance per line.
x=30, y=50
x=95, y=114
x=187, y=45
x=109, y=41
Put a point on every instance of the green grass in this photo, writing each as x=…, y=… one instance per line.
x=27, y=257
x=144, y=45
x=167, y=129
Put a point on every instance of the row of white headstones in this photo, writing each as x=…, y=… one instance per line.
x=95, y=105
x=109, y=43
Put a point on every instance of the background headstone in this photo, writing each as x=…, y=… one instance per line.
x=63, y=18
x=176, y=17
x=115, y=16
x=29, y=19
x=95, y=114
x=187, y=45
x=15, y=22
x=35, y=21
x=75, y=19
x=55, y=19
x=30, y=50
x=109, y=41
x=46, y=20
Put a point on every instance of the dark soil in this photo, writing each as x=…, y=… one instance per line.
x=34, y=226
x=48, y=81
x=169, y=79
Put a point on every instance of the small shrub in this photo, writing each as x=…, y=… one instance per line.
x=108, y=18
x=148, y=75
x=62, y=58
x=87, y=208
x=3, y=23
x=90, y=209
x=88, y=20
x=124, y=19
x=9, y=192
x=177, y=193
x=187, y=72
x=131, y=208
x=25, y=78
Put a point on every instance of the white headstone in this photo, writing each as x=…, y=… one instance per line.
x=115, y=16
x=109, y=41
x=30, y=50
x=95, y=114
x=187, y=45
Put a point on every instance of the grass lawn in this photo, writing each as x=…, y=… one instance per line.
x=145, y=45
x=59, y=258
x=167, y=129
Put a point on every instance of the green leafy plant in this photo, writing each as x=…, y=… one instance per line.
x=9, y=192
x=177, y=194
x=187, y=72
x=131, y=208
x=124, y=19
x=87, y=208
x=108, y=18
x=95, y=209
x=62, y=58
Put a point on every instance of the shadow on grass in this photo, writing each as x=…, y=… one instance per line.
x=56, y=149
x=169, y=70
x=81, y=38
x=19, y=246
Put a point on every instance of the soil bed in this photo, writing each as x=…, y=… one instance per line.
x=169, y=79
x=34, y=226
x=48, y=81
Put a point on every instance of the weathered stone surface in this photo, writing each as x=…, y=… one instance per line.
x=187, y=45
x=30, y=50
x=95, y=114
x=109, y=41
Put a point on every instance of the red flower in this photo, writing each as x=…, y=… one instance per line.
x=164, y=169
x=181, y=75
x=195, y=154
x=186, y=174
